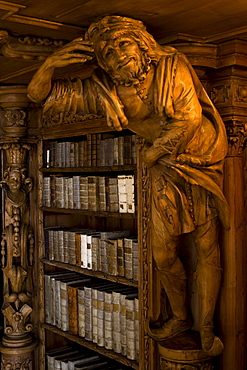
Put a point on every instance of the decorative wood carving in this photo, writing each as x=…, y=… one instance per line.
x=17, y=245
x=131, y=90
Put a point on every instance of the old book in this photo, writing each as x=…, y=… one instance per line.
x=76, y=192
x=76, y=154
x=102, y=194
x=95, y=252
x=58, y=155
x=66, y=245
x=80, y=359
x=72, y=289
x=120, y=257
x=53, y=190
x=128, y=256
x=59, y=359
x=52, y=353
x=123, y=298
x=94, y=150
x=130, y=191
x=59, y=191
x=60, y=246
x=57, y=306
x=66, y=192
x=94, y=294
x=108, y=307
x=135, y=259
x=78, y=246
x=93, y=193
x=81, y=154
x=115, y=151
x=127, y=149
x=130, y=328
x=81, y=312
x=93, y=365
x=122, y=194
x=67, y=154
x=98, y=144
x=111, y=252
x=72, y=154
x=84, y=192
x=64, y=300
x=101, y=160
x=46, y=194
x=112, y=194
x=48, y=240
x=70, y=192
x=89, y=248
x=63, y=144
x=47, y=286
x=137, y=323
x=120, y=150
x=89, y=150
x=84, y=254
x=103, y=245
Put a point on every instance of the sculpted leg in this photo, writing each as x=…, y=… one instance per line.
x=208, y=276
x=173, y=278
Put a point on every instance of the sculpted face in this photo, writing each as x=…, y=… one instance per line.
x=14, y=180
x=122, y=59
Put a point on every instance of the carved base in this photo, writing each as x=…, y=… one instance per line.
x=16, y=341
x=17, y=358
x=183, y=351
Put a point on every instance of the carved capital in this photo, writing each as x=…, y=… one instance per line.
x=17, y=364
x=237, y=135
x=168, y=365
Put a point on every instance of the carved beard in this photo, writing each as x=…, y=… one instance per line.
x=132, y=75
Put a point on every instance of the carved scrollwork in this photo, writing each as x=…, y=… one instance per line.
x=61, y=119
x=237, y=135
x=220, y=94
x=202, y=365
x=18, y=365
x=30, y=40
x=15, y=117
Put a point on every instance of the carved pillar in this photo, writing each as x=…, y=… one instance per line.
x=17, y=244
x=229, y=93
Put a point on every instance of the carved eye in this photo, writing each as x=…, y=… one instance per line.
x=109, y=52
x=124, y=42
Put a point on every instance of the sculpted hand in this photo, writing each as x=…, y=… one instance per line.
x=150, y=154
x=76, y=51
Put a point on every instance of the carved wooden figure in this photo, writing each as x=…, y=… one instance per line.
x=153, y=91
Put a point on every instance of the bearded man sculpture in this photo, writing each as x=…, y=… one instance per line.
x=153, y=91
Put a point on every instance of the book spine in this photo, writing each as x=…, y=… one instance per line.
x=84, y=251
x=108, y=307
x=51, y=245
x=66, y=246
x=94, y=316
x=89, y=150
x=88, y=314
x=47, y=299
x=72, y=248
x=93, y=193
x=66, y=192
x=123, y=325
x=55, y=245
x=46, y=191
x=59, y=192
x=100, y=319
x=76, y=154
x=137, y=329
x=72, y=154
x=73, y=309
x=70, y=192
x=130, y=328
x=81, y=154
x=111, y=245
x=94, y=150
x=89, y=252
x=116, y=323
x=64, y=307
x=113, y=194
x=76, y=192
x=120, y=257
x=84, y=192
x=122, y=194
x=102, y=194
x=81, y=312
x=57, y=311
x=78, y=249
x=130, y=194
x=128, y=258
x=135, y=260
x=60, y=246
x=95, y=253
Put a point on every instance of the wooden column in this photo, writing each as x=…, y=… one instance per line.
x=17, y=244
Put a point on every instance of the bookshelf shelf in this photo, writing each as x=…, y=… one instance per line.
x=89, y=213
x=98, y=274
x=74, y=338
x=124, y=168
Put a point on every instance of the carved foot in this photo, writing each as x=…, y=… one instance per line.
x=169, y=329
x=211, y=344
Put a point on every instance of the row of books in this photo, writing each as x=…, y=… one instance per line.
x=112, y=252
x=104, y=313
x=94, y=150
x=75, y=358
x=94, y=193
